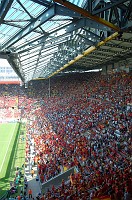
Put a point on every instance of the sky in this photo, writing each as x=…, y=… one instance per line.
x=4, y=63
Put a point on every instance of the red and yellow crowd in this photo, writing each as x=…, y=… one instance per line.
x=82, y=121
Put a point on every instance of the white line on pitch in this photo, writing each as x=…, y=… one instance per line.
x=7, y=149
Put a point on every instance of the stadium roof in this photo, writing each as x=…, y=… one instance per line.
x=40, y=38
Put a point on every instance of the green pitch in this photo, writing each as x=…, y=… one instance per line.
x=8, y=138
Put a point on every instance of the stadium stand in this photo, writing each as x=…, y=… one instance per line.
x=78, y=124
x=93, y=154
x=85, y=123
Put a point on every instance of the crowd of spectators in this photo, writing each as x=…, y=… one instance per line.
x=83, y=121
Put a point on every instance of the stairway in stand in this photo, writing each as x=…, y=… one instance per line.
x=32, y=183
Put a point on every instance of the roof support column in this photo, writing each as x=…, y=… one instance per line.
x=4, y=7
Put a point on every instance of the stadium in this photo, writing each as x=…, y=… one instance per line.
x=65, y=99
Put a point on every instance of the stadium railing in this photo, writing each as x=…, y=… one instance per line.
x=57, y=180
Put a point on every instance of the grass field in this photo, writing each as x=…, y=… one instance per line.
x=7, y=137
x=8, y=152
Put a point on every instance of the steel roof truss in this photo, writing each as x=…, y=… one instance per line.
x=89, y=6
x=68, y=28
x=111, y=14
x=39, y=55
x=4, y=7
x=128, y=12
x=49, y=48
x=108, y=6
x=18, y=26
x=86, y=14
x=42, y=18
x=121, y=6
x=43, y=3
x=15, y=67
x=117, y=16
x=96, y=4
x=63, y=11
x=32, y=68
x=33, y=61
x=97, y=37
x=87, y=41
x=25, y=9
x=33, y=53
x=31, y=56
x=44, y=56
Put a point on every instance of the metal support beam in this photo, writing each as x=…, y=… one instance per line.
x=42, y=2
x=19, y=26
x=26, y=71
x=4, y=7
x=27, y=61
x=128, y=12
x=25, y=9
x=127, y=26
x=90, y=6
x=86, y=52
x=63, y=11
x=87, y=41
x=87, y=14
x=117, y=16
x=97, y=37
x=35, y=51
x=68, y=29
x=111, y=14
x=95, y=4
x=44, y=17
x=50, y=48
x=108, y=6
x=29, y=56
x=38, y=59
x=15, y=67
x=121, y=6
x=32, y=67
